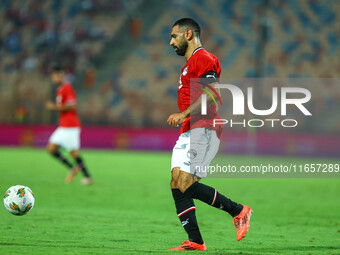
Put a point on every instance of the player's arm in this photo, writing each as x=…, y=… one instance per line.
x=66, y=101
x=195, y=107
x=177, y=118
x=59, y=107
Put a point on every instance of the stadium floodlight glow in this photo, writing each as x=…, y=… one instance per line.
x=239, y=100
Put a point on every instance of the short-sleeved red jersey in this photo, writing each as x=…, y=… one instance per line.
x=198, y=65
x=67, y=96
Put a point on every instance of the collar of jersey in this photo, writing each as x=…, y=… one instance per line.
x=201, y=47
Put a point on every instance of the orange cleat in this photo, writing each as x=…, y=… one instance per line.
x=242, y=221
x=73, y=173
x=187, y=245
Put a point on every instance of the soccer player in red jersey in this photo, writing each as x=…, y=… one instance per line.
x=67, y=135
x=199, y=139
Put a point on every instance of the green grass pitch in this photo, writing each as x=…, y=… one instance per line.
x=130, y=210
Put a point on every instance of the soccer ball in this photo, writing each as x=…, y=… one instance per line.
x=19, y=200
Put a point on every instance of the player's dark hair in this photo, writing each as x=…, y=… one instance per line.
x=189, y=23
x=57, y=68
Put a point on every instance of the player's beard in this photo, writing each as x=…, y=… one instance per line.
x=181, y=48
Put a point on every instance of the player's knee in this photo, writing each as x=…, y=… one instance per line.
x=173, y=184
x=174, y=178
x=74, y=154
x=50, y=149
x=183, y=184
x=182, y=187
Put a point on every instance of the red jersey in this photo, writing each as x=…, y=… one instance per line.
x=67, y=96
x=201, y=64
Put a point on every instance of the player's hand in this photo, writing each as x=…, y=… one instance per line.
x=176, y=119
x=50, y=105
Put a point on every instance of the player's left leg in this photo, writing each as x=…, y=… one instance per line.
x=71, y=142
x=87, y=180
x=193, y=189
x=210, y=196
x=54, y=150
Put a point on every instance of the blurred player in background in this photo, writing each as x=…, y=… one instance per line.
x=199, y=140
x=67, y=135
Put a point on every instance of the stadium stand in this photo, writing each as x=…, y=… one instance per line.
x=309, y=49
x=37, y=33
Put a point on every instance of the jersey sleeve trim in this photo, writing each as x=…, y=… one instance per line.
x=209, y=77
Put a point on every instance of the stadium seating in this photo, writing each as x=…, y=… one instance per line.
x=37, y=33
x=300, y=42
